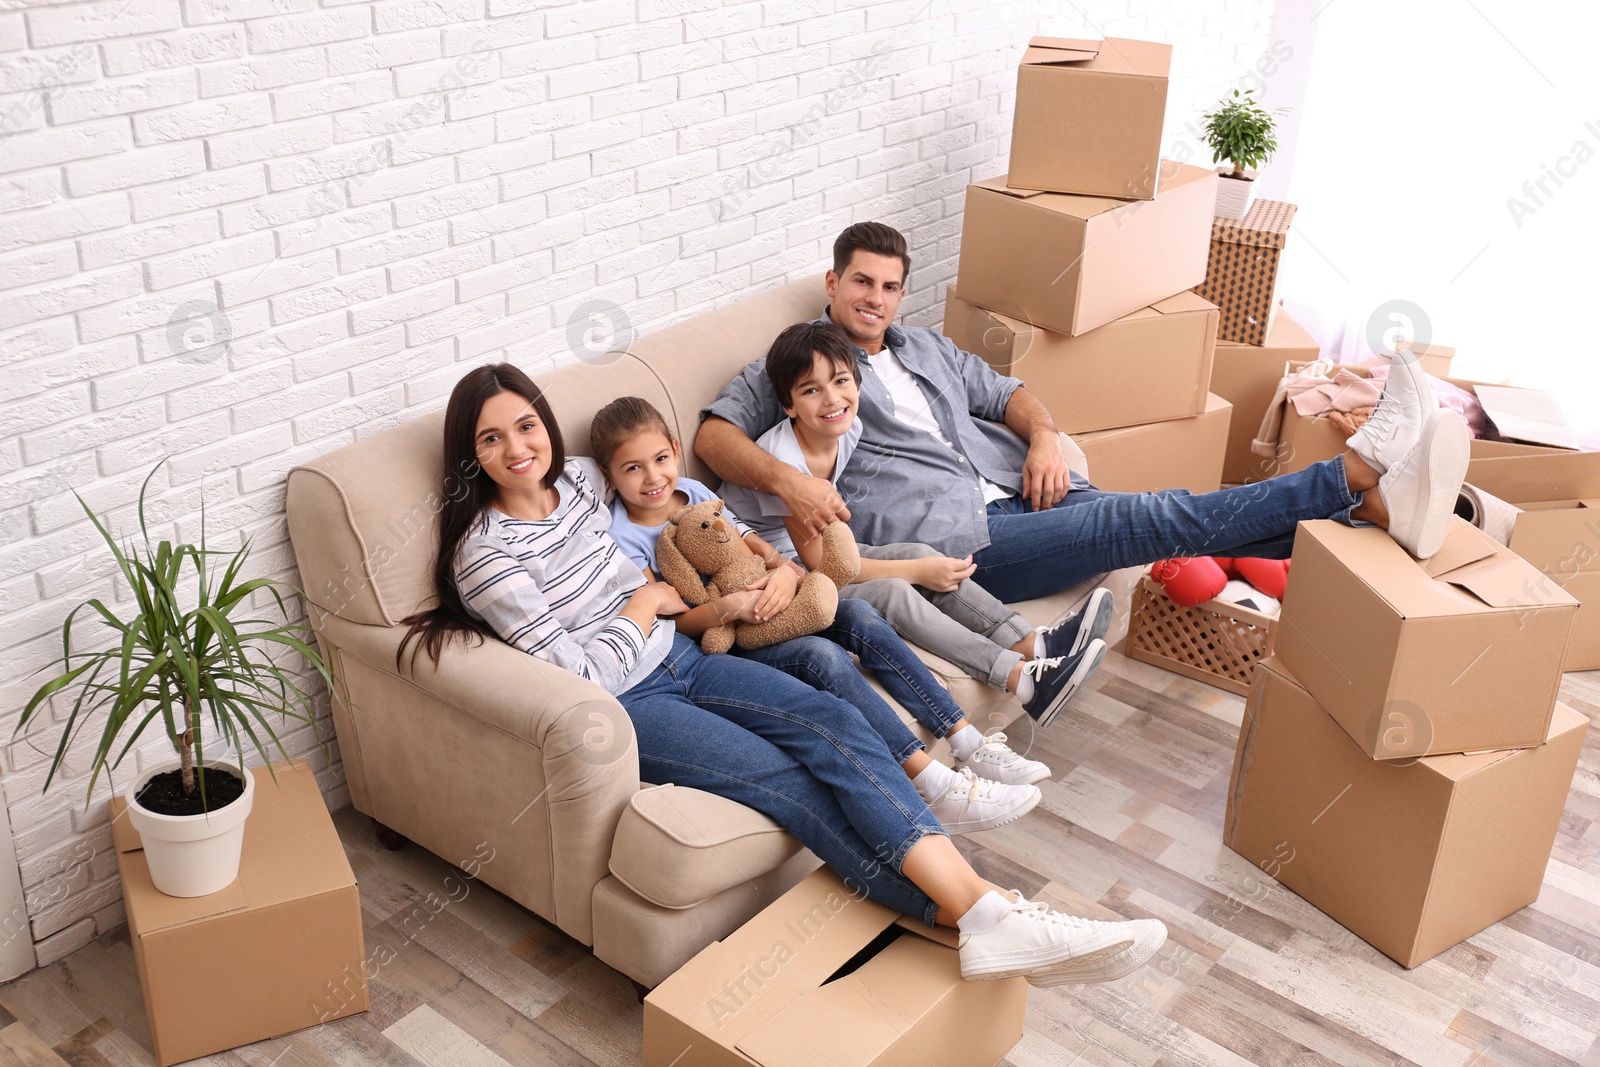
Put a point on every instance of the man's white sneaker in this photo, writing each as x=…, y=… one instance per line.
x=996, y=761
x=1397, y=422
x=972, y=803
x=1420, y=490
x=1052, y=948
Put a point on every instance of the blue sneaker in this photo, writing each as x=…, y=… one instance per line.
x=1067, y=637
x=1057, y=679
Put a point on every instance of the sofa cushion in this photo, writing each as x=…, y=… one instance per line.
x=678, y=847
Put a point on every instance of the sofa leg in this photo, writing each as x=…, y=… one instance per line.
x=640, y=990
x=389, y=839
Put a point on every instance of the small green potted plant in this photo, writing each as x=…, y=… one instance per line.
x=1241, y=132
x=180, y=654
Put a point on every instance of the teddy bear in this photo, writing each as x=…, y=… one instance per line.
x=701, y=539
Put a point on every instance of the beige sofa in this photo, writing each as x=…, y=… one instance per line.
x=499, y=750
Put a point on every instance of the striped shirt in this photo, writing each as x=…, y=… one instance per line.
x=554, y=588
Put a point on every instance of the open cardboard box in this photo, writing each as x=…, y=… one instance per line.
x=280, y=949
x=1411, y=857
x=1088, y=116
x=1558, y=530
x=1458, y=653
x=825, y=976
x=1175, y=454
x=1247, y=377
x=1304, y=441
x=1071, y=263
x=1150, y=366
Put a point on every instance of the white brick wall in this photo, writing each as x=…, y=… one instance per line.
x=361, y=196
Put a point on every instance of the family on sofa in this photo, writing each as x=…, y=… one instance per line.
x=916, y=445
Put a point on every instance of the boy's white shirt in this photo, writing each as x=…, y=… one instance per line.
x=765, y=512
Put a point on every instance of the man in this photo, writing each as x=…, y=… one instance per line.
x=957, y=456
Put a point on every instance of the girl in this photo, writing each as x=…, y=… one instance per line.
x=525, y=556
x=639, y=456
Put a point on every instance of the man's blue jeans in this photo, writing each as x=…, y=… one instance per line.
x=803, y=757
x=823, y=662
x=1091, y=531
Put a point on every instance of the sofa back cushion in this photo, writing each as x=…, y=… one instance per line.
x=364, y=519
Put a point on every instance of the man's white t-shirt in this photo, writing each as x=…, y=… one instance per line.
x=912, y=408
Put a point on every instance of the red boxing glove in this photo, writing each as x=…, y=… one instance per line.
x=1271, y=576
x=1229, y=566
x=1189, y=581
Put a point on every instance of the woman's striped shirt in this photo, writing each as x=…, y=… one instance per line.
x=554, y=587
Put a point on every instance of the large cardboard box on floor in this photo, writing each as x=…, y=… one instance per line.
x=1150, y=366
x=1413, y=857
x=1071, y=263
x=825, y=976
x=1242, y=269
x=1247, y=376
x=1305, y=440
x=1558, y=530
x=1176, y=454
x=1458, y=653
x=278, y=950
x=1088, y=116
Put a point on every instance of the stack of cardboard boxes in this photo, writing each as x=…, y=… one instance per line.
x=1403, y=760
x=1076, y=268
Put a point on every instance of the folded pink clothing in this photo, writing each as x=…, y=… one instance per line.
x=1315, y=394
x=1450, y=396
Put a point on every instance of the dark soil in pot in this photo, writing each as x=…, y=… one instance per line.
x=164, y=794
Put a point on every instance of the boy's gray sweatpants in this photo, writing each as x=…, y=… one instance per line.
x=968, y=627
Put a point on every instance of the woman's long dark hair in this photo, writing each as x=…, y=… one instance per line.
x=468, y=491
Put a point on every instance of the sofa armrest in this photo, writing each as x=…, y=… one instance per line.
x=494, y=746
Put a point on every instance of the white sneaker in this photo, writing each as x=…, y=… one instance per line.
x=1420, y=490
x=972, y=803
x=1052, y=948
x=996, y=761
x=1397, y=422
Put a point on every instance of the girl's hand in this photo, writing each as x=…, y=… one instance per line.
x=943, y=574
x=777, y=592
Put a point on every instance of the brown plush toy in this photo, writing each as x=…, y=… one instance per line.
x=700, y=539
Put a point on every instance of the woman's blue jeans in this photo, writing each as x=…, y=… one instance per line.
x=1091, y=531
x=805, y=758
x=823, y=662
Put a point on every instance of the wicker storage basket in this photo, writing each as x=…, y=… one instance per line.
x=1216, y=642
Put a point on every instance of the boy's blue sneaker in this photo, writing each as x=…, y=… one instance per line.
x=1067, y=637
x=1057, y=679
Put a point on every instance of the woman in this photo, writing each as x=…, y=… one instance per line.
x=525, y=556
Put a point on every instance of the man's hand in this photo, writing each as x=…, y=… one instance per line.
x=1045, y=474
x=943, y=574
x=814, y=501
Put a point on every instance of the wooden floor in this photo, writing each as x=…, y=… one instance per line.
x=1130, y=826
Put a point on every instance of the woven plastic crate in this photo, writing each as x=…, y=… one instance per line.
x=1216, y=642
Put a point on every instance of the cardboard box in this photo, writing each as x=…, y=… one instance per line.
x=1177, y=454
x=1149, y=366
x=825, y=976
x=1247, y=376
x=1071, y=263
x=1458, y=653
x=1435, y=359
x=1242, y=270
x=1306, y=440
x=1088, y=116
x=1411, y=858
x=1558, y=530
x=278, y=950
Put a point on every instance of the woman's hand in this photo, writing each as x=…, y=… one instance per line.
x=661, y=598
x=943, y=574
x=777, y=589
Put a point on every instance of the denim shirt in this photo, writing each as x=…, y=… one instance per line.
x=903, y=484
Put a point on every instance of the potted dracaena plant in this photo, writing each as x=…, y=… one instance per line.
x=1241, y=132
x=179, y=655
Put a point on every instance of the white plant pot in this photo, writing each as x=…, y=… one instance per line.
x=1234, y=196
x=192, y=855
